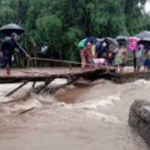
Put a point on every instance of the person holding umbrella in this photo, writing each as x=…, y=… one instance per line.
x=139, y=57
x=7, y=50
x=132, y=46
x=146, y=43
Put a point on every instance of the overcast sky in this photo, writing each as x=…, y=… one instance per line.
x=147, y=6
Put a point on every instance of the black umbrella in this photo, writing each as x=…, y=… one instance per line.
x=91, y=40
x=113, y=45
x=145, y=42
x=10, y=28
x=144, y=34
x=121, y=38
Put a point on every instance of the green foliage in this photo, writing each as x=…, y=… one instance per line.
x=6, y=15
x=61, y=24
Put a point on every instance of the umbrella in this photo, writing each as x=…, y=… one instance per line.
x=121, y=38
x=92, y=40
x=113, y=45
x=132, y=39
x=10, y=28
x=83, y=43
x=143, y=34
x=99, y=42
x=145, y=42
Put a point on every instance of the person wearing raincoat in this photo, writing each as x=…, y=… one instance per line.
x=7, y=50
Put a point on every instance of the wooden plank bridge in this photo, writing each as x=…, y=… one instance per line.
x=47, y=75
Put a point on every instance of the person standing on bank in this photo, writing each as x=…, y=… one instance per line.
x=7, y=50
x=139, y=57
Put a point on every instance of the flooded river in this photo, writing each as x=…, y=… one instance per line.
x=88, y=116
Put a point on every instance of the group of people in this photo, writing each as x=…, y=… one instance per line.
x=90, y=57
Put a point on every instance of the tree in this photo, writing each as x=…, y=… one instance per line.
x=61, y=24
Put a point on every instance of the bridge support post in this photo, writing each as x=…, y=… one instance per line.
x=12, y=92
x=44, y=86
x=33, y=84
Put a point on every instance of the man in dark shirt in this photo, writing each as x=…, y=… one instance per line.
x=7, y=50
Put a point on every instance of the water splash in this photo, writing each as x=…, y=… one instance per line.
x=95, y=104
x=103, y=117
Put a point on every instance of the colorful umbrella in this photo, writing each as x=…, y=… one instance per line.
x=132, y=39
x=82, y=43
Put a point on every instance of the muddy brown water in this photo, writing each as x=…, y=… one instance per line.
x=86, y=116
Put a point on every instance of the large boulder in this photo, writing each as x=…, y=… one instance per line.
x=139, y=118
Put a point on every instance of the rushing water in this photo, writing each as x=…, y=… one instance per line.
x=87, y=116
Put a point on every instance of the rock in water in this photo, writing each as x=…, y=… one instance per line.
x=145, y=113
x=139, y=118
x=135, y=111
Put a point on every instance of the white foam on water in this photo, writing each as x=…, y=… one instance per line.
x=43, y=98
x=6, y=88
x=103, y=117
x=30, y=104
x=141, y=82
x=58, y=82
x=94, y=104
x=90, y=109
x=23, y=99
x=20, y=105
